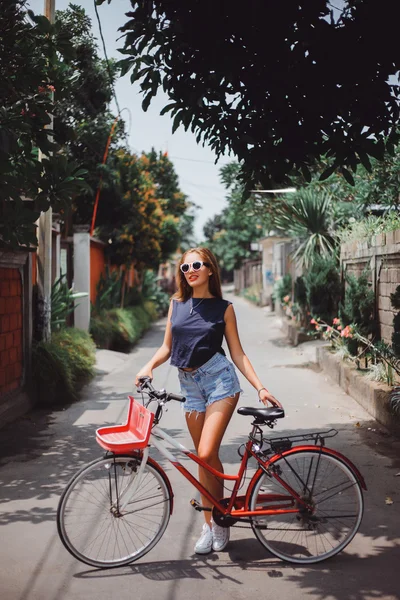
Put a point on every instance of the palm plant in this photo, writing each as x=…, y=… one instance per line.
x=308, y=217
x=62, y=302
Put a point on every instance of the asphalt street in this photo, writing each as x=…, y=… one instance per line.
x=40, y=452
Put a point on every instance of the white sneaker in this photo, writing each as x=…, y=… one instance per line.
x=220, y=537
x=204, y=544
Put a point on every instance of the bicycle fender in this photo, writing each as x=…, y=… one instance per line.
x=158, y=468
x=323, y=450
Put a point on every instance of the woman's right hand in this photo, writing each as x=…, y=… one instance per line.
x=145, y=372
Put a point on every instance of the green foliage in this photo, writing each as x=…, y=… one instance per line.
x=307, y=217
x=282, y=288
x=225, y=88
x=230, y=234
x=163, y=173
x=300, y=292
x=62, y=366
x=395, y=302
x=322, y=283
x=31, y=51
x=253, y=293
x=359, y=304
x=120, y=328
x=108, y=289
x=151, y=309
x=358, y=308
x=62, y=303
x=365, y=229
x=395, y=401
x=152, y=291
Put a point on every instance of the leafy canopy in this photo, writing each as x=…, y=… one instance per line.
x=230, y=234
x=30, y=59
x=278, y=84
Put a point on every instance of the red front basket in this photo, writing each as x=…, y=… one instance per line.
x=131, y=436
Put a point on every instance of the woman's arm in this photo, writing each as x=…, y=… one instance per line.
x=162, y=354
x=241, y=360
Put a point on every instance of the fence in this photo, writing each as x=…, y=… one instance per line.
x=380, y=257
x=250, y=274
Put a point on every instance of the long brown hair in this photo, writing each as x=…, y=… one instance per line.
x=184, y=291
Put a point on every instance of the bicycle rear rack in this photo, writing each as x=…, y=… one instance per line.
x=280, y=444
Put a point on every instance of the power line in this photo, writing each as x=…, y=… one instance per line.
x=106, y=57
x=209, y=162
x=111, y=76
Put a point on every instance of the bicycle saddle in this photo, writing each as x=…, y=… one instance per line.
x=263, y=414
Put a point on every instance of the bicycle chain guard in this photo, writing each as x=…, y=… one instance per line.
x=221, y=519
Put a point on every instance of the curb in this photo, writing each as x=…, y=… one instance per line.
x=371, y=395
x=292, y=332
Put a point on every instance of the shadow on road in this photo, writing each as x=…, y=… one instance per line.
x=344, y=576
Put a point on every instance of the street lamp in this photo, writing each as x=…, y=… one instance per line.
x=289, y=190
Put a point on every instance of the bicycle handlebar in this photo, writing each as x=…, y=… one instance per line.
x=146, y=385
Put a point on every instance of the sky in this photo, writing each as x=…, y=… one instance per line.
x=198, y=175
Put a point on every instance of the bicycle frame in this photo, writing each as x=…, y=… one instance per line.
x=158, y=436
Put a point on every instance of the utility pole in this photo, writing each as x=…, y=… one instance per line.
x=45, y=224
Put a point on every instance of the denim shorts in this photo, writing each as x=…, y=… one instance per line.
x=213, y=381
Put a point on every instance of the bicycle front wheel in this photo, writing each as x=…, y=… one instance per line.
x=93, y=525
x=333, y=495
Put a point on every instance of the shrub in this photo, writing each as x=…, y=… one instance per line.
x=358, y=309
x=300, y=292
x=152, y=291
x=120, y=328
x=322, y=284
x=108, y=291
x=282, y=288
x=253, y=293
x=151, y=308
x=395, y=302
x=62, y=365
x=62, y=303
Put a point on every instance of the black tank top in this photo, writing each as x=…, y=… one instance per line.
x=198, y=336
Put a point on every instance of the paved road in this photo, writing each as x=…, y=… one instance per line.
x=40, y=453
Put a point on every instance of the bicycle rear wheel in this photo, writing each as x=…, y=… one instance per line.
x=332, y=491
x=90, y=523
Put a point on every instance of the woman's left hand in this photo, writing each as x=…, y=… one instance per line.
x=266, y=397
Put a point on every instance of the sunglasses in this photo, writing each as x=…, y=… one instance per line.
x=196, y=266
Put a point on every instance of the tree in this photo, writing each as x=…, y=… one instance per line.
x=308, y=217
x=131, y=216
x=29, y=62
x=166, y=179
x=83, y=120
x=278, y=84
x=230, y=234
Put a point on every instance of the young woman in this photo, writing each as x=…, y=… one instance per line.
x=198, y=319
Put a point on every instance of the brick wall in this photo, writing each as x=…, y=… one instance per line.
x=381, y=256
x=11, y=355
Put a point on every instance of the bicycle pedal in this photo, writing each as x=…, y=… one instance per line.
x=197, y=506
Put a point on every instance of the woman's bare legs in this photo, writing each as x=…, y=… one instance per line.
x=207, y=430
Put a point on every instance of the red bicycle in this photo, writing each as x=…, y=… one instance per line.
x=304, y=502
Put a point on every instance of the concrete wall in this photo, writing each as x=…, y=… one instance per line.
x=381, y=258
x=82, y=279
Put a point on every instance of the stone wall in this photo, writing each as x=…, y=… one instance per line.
x=381, y=257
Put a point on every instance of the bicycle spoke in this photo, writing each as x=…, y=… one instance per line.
x=91, y=523
x=328, y=515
